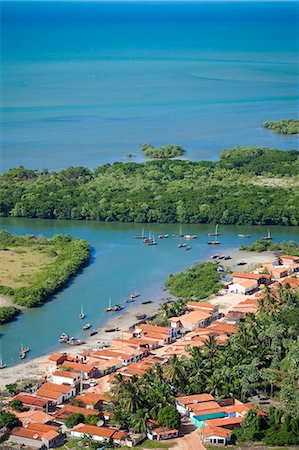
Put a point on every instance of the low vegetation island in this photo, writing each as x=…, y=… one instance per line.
x=248, y=185
x=285, y=247
x=288, y=126
x=165, y=152
x=34, y=267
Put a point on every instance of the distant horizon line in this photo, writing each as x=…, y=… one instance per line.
x=149, y=1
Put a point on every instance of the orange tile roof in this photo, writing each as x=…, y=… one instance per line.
x=247, y=283
x=293, y=258
x=106, y=432
x=293, y=282
x=223, y=327
x=225, y=421
x=33, y=416
x=192, y=318
x=157, y=335
x=65, y=374
x=41, y=427
x=31, y=400
x=24, y=432
x=80, y=367
x=201, y=305
x=56, y=356
x=67, y=410
x=61, y=388
x=154, y=328
x=215, y=431
x=203, y=406
x=90, y=398
x=50, y=435
x=250, y=276
x=195, y=398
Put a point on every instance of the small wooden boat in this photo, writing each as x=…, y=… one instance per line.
x=110, y=308
x=140, y=316
x=188, y=247
x=130, y=300
x=190, y=236
x=163, y=236
x=221, y=257
x=148, y=239
x=178, y=235
x=2, y=366
x=241, y=263
x=214, y=256
x=86, y=326
x=152, y=241
x=227, y=257
x=214, y=242
x=22, y=353
x=117, y=307
x=26, y=349
x=182, y=245
x=93, y=332
x=216, y=233
x=244, y=235
x=111, y=330
x=81, y=315
x=268, y=237
x=146, y=302
x=140, y=236
x=135, y=295
x=63, y=338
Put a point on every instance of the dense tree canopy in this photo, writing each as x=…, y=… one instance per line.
x=287, y=126
x=164, y=152
x=248, y=185
x=8, y=313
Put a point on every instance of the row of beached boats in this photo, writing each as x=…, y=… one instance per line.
x=150, y=240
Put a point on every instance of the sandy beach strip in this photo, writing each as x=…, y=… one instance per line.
x=36, y=367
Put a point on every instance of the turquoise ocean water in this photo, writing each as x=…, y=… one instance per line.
x=86, y=83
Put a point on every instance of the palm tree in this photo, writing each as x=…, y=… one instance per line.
x=175, y=372
x=139, y=420
x=210, y=349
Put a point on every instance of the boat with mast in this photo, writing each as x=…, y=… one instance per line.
x=152, y=241
x=268, y=237
x=140, y=236
x=22, y=354
x=81, y=315
x=2, y=366
x=110, y=308
x=216, y=232
x=135, y=295
x=214, y=242
x=244, y=235
x=180, y=234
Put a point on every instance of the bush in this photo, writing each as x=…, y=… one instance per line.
x=8, y=313
x=17, y=405
x=169, y=417
x=74, y=419
x=9, y=420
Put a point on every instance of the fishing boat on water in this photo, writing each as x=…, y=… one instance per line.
x=214, y=242
x=152, y=241
x=268, y=237
x=148, y=239
x=216, y=232
x=183, y=244
x=63, y=338
x=81, y=315
x=190, y=236
x=188, y=247
x=2, y=366
x=22, y=354
x=177, y=235
x=244, y=235
x=146, y=302
x=117, y=307
x=110, y=308
x=135, y=295
x=86, y=326
x=163, y=236
x=130, y=300
x=140, y=236
x=111, y=330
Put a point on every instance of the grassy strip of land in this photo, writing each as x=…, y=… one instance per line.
x=62, y=257
x=287, y=126
x=285, y=247
x=8, y=313
x=241, y=188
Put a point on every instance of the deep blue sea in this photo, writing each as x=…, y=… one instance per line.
x=85, y=83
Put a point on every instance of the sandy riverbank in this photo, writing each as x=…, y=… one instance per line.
x=36, y=367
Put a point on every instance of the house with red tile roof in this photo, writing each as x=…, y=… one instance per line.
x=87, y=370
x=93, y=400
x=37, y=436
x=32, y=402
x=215, y=435
x=66, y=377
x=56, y=393
x=243, y=286
x=67, y=410
x=156, y=432
x=190, y=321
x=99, y=433
x=260, y=278
x=195, y=306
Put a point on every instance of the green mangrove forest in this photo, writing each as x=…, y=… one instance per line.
x=288, y=126
x=248, y=185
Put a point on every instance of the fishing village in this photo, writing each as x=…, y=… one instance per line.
x=74, y=397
